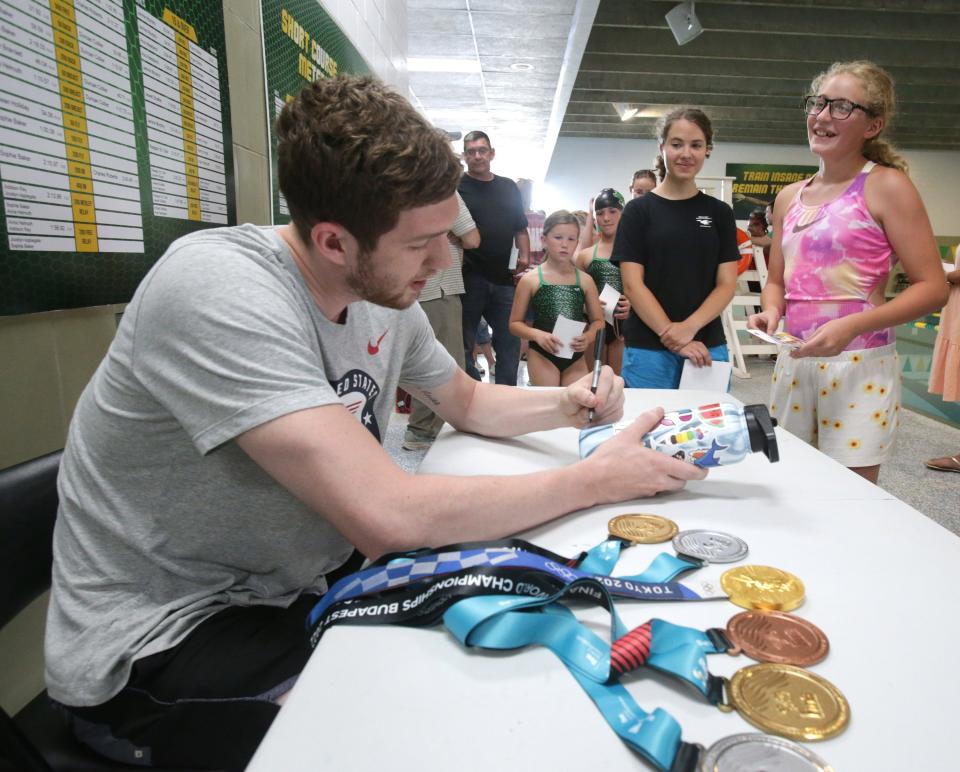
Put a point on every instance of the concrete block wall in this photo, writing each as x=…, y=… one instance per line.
x=378, y=30
x=248, y=110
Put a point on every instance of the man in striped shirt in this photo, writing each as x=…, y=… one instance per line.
x=440, y=301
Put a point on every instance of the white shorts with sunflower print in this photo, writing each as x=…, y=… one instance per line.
x=848, y=405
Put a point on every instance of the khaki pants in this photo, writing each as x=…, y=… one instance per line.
x=446, y=319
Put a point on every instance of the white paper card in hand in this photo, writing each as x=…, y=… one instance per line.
x=611, y=297
x=514, y=254
x=567, y=330
x=777, y=338
x=713, y=377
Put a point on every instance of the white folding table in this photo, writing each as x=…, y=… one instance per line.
x=881, y=582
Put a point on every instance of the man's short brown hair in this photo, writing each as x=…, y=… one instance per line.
x=353, y=152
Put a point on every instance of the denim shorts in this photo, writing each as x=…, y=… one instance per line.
x=483, y=333
x=647, y=368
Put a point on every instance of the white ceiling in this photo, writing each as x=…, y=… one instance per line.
x=748, y=69
x=526, y=57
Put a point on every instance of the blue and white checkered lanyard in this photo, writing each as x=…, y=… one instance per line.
x=515, y=622
x=601, y=560
x=392, y=572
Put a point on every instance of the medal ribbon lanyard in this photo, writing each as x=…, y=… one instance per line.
x=394, y=572
x=499, y=623
x=601, y=560
x=513, y=622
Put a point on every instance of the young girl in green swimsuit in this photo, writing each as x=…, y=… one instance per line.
x=595, y=261
x=556, y=289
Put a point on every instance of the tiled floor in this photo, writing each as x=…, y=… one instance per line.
x=936, y=494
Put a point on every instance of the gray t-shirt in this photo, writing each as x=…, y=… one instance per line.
x=163, y=519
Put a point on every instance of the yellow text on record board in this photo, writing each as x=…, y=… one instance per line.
x=86, y=237
x=80, y=184
x=63, y=7
x=66, y=26
x=320, y=63
x=83, y=210
x=68, y=58
x=294, y=30
x=188, y=125
x=764, y=181
x=75, y=138
x=180, y=25
x=771, y=176
x=751, y=188
x=74, y=123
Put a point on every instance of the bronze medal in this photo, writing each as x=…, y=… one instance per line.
x=773, y=636
x=642, y=529
x=763, y=587
x=788, y=701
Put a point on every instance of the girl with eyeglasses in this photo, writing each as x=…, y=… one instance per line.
x=836, y=238
x=677, y=251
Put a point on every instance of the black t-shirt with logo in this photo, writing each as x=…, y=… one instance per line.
x=680, y=244
x=497, y=209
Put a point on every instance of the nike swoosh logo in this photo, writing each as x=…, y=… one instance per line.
x=802, y=223
x=799, y=228
x=374, y=348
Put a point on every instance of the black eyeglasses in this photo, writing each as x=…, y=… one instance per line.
x=839, y=108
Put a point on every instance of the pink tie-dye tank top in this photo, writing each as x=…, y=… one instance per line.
x=836, y=262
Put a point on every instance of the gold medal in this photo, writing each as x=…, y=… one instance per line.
x=788, y=701
x=642, y=529
x=763, y=587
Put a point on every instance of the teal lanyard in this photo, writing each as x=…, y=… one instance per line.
x=515, y=622
x=601, y=560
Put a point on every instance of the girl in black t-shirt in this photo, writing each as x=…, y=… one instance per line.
x=677, y=250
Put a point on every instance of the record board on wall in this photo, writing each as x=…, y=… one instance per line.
x=114, y=141
x=756, y=185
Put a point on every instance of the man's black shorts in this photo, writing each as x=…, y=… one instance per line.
x=207, y=702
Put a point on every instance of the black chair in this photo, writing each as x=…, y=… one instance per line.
x=36, y=739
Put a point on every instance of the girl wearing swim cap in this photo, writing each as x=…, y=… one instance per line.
x=595, y=260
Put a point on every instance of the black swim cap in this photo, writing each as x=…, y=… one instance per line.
x=608, y=197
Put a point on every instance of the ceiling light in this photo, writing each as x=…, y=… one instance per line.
x=442, y=64
x=626, y=111
x=684, y=23
x=521, y=67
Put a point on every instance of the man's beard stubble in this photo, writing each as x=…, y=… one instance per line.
x=373, y=288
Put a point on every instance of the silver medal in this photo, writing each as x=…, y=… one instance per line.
x=710, y=546
x=760, y=753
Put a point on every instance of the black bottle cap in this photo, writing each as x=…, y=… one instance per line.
x=760, y=428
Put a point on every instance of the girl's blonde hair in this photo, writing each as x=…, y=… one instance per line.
x=561, y=217
x=881, y=99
